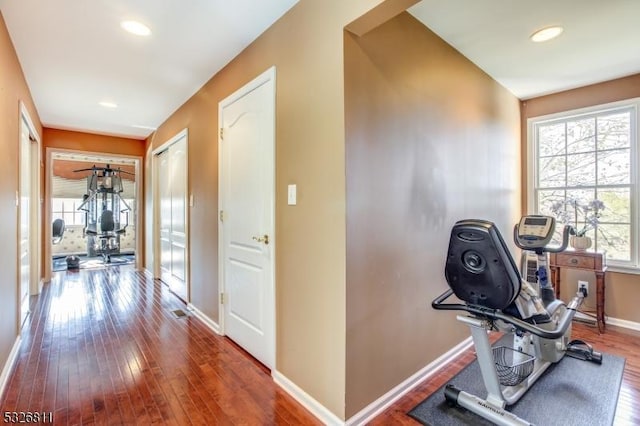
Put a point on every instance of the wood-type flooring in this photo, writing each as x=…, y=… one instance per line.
x=103, y=347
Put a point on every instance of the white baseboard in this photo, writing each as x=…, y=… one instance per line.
x=8, y=366
x=205, y=319
x=378, y=406
x=307, y=401
x=624, y=323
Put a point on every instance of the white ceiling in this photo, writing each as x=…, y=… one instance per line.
x=74, y=53
x=601, y=40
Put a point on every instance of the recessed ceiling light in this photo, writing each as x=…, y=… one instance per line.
x=106, y=104
x=546, y=34
x=135, y=27
x=140, y=126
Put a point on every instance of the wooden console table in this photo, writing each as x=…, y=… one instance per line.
x=584, y=260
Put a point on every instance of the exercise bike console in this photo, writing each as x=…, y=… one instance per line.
x=534, y=231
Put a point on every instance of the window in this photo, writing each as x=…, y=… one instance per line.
x=67, y=210
x=587, y=155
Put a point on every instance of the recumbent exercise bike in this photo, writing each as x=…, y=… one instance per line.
x=481, y=272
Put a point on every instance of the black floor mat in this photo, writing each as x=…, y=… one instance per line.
x=571, y=392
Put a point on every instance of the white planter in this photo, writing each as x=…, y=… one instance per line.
x=580, y=243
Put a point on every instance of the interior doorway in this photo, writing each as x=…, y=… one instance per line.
x=81, y=186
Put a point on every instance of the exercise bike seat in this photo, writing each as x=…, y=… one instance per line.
x=512, y=310
x=479, y=267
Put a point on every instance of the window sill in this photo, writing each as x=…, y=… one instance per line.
x=623, y=269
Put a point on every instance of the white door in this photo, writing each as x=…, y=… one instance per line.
x=172, y=191
x=247, y=201
x=164, y=194
x=24, y=205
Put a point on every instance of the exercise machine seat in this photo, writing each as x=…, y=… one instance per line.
x=107, y=223
x=479, y=267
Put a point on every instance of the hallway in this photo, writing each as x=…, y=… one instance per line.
x=102, y=346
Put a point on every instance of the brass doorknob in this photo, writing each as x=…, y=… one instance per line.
x=263, y=239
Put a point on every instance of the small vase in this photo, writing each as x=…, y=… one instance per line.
x=580, y=243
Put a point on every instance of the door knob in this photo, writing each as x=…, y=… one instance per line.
x=263, y=239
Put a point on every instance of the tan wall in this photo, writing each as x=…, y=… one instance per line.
x=431, y=139
x=81, y=141
x=67, y=169
x=306, y=46
x=13, y=89
x=622, y=290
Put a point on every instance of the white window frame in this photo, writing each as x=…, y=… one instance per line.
x=76, y=213
x=532, y=161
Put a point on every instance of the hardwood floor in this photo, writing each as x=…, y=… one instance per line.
x=103, y=347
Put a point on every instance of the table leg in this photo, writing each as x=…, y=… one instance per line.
x=555, y=276
x=600, y=301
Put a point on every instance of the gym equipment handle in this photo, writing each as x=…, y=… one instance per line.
x=482, y=311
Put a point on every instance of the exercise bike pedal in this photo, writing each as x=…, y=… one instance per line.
x=580, y=349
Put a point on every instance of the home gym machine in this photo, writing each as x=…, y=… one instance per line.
x=481, y=273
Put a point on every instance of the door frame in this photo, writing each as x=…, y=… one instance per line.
x=35, y=209
x=268, y=75
x=48, y=264
x=155, y=188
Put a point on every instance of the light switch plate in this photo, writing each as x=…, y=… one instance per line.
x=292, y=195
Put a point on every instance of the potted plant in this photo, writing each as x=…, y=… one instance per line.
x=582, y=216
